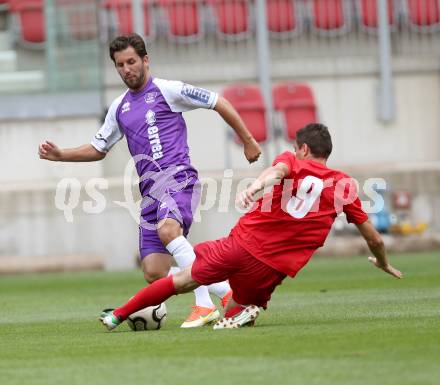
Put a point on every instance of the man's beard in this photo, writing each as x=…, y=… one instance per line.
x=135, y=83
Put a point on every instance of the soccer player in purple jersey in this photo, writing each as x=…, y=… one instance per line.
x=149, y=115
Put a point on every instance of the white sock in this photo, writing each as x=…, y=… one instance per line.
x=202, y=297
x=219, y=289
x=183, y=254
x=182, y=251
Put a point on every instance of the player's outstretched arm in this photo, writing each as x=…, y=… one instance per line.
x=377, y=247
x=85, y=153
x=252, y=149
x=269, y=177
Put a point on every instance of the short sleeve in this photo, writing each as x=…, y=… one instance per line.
x=288, y=159
x=183, y=97
x=354, y=212
x=110, y=132
x=347, y=200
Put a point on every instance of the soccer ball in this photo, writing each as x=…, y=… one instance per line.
x=150, y=318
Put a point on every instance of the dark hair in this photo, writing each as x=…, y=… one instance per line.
x=123, y=42
x=317, y=137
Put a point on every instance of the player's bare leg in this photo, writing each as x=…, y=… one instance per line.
x=156, y=266
x=171, y=234
x=184, y=282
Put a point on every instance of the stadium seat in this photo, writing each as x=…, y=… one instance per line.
x=330, y=16
x=124, y=16
x=232, y=18
x=283, y=17
x=184, y=22
x=296, y=103
x=423, y=14
x=249, y=102
x=367, y=13
x=30, y=17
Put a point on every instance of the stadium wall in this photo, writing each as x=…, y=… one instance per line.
x=19, y=141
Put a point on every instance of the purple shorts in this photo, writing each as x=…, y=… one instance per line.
x=179, y=205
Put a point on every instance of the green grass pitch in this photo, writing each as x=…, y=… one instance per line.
x=341, y=321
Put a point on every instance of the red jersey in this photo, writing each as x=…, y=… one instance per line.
x=286, y=226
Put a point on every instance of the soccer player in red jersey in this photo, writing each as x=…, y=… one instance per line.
x=276, y=238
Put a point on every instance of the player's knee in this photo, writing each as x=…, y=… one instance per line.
x=152, y=275
x=168, y=232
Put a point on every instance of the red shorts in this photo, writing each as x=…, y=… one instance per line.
x=251, y=280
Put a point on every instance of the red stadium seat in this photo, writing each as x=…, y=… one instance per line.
x=297, y=104
x=249, y=102
x=232, y=17
x=282, y=16
x=423, y=14
x=330, y=15
x=367, y=11
x=30, y=16
x=124, y=16
x=183, y=18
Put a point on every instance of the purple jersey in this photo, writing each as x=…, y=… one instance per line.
x=151, y=120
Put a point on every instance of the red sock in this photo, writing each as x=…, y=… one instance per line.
x=233, y=311
x=153, y=294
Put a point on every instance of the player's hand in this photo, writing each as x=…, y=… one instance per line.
x=246, y=198
x=252, y=150
x=387, y=268
x=49, y=151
